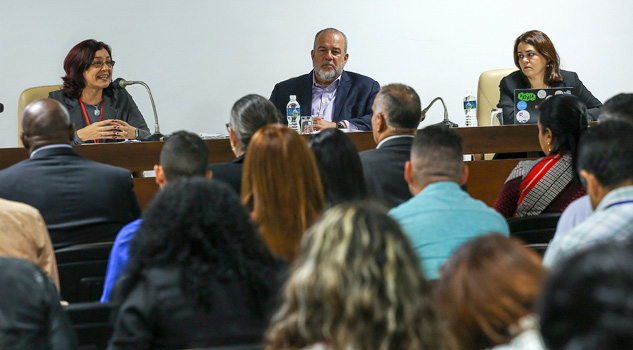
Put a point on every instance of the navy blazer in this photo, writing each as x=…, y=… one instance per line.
x=353, y=102
x=81, y=201
x=518, y=80
x=384, y=170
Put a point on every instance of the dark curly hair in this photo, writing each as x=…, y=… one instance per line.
x=200, y=226
x=77, y=62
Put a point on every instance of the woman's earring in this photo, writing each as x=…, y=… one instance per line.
x=549, y=149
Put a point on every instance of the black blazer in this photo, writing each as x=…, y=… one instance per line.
x=81, y=201
x=118, y=105
x=384, y=170
x=354, y=97
x=230, y=173
x=518, y=80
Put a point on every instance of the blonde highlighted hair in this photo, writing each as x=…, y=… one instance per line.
x=357, y=284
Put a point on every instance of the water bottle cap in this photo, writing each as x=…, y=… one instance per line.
x=293, y=97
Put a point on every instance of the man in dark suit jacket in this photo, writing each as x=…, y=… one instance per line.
x=340, y=99
x=397, y=114
x=81, y=201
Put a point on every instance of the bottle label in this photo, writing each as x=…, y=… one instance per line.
x=294, y=112
x=470, y=104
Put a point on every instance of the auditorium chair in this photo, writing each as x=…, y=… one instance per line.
x=92, y=322
x=29, y=95
x=82, y=270
x=488, y=93
x=535, y=231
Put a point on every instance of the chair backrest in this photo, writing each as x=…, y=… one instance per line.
x=535, y=231
x=82, y=270
x=488, y=93
x=29, y=95
x=93, y=323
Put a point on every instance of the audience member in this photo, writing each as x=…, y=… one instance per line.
x=183, y=155
x=23, y=235
x=586, y=301
x=248, y=115
x=31, y=316
x=357, y=284
x=339, y=166
x=337, y=98
x=282, y=187
x=199, y=274
x=549, y=184
x=441, y=216
x=619, y=107
x=397, y=114
x=605, y=162
x=487, y=291
x=81, y=201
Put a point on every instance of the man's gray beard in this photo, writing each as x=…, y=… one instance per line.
x=329, y=76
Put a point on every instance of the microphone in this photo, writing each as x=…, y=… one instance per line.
x=1, y=108
x=446, y=122
x=121, y=83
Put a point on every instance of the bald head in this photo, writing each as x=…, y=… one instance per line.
x=45, y=122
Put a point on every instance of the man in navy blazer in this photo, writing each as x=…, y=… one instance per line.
x=81, y=201
x=337, y=98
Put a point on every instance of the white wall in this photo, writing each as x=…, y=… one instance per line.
x=200, y=56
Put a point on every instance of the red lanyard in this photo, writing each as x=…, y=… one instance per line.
x=86, y=114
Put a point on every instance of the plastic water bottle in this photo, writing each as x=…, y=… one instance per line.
x=470, y=108
x=293, y=112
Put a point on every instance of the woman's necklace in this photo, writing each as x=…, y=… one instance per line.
x=96, y=107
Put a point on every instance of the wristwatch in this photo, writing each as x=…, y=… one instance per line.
x=340, y=125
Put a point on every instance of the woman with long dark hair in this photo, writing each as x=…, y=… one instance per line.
x=549, y=184
x=100, y=112
x=199, y=273
x=339, y=166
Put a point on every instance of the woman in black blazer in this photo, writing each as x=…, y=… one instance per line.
x=539, y=64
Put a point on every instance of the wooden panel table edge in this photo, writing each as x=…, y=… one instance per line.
x=486, y=175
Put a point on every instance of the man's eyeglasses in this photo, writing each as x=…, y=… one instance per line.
x=99, y=64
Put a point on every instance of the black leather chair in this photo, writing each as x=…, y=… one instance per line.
x=535, y=231
x=82, y=270
x=92, y=323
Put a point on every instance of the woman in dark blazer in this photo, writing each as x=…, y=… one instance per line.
x=99, y=112
x=539, y=64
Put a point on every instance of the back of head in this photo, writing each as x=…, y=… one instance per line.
x=586, y=302
x=200, y=226
x=618, y=107
x=606, y=151
x=249, y=114
x=45, y=122
x=357, y=284
x=184, y=155
x=566, y=117
x=281, y=184
x=487, y=285
x=339, y=166
x=401, y=104
x=437, y=153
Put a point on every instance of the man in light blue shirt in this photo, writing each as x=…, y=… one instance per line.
x=605, y=163
x=183, y=155
x=441, y=216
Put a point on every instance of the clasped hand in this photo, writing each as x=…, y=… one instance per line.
x=107, y=129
